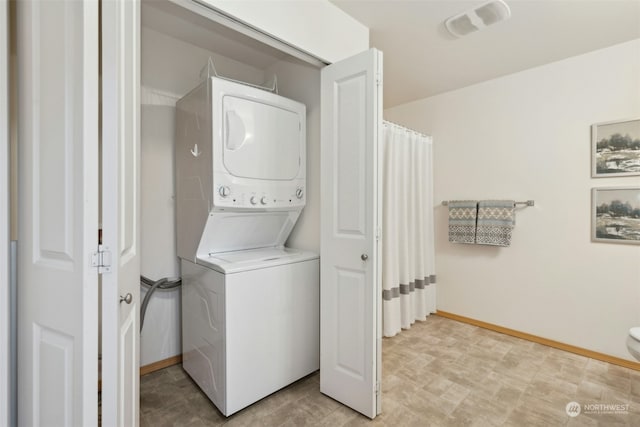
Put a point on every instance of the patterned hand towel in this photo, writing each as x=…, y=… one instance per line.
x=496, y=219
x=462, y=221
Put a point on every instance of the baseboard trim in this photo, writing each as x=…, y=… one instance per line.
x=160, y=364
x=544, y=341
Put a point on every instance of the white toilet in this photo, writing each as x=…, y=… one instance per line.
x=633, y=342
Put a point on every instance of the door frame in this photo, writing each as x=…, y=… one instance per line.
x=4, y=217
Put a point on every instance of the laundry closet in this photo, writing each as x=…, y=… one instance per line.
x=166, y=47
x=250, y=308
x=178, y=50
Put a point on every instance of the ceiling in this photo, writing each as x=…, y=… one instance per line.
x=182, y=24
x=421, y=59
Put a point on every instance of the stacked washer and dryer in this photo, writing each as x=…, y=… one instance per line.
x=250, y=306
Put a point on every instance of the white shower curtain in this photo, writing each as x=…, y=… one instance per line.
x=408, y=275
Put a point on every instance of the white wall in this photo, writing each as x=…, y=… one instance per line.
x=527, y=136
x=304, y=24
x=302, y=82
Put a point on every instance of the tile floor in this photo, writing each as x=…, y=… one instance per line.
x=438, y=373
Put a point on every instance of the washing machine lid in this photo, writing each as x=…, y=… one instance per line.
x=236, y=231
x=253, y=259
x=635, y=333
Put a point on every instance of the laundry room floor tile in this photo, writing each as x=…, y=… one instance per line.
x=437, y=373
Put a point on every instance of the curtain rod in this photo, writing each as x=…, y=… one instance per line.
x=387, y=123
x=526, y=203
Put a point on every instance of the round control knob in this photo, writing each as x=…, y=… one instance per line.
x=224, y=191
x=253, y=200
x=299, y=193
x=263, y=200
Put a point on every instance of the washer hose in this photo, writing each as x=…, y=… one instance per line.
x=163, y=284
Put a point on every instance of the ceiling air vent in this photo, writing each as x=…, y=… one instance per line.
x=478, y=18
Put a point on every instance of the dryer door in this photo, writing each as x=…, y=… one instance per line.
x=261, y=141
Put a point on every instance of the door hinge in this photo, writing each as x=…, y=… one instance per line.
x=378, y=79
x=378, y=233
x=101, y=259
x=377, y=388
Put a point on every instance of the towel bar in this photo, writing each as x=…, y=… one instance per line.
x=526, y=203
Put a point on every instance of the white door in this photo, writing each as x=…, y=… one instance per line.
x=58, y=213
x=4, y=214
x=120, y=212
x=350, y=302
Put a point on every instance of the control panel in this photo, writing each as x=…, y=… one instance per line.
x=233, y=193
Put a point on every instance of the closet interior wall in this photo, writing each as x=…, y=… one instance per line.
x=175, y=47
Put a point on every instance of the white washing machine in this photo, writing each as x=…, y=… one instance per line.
x=250, y=323
x=250, y=306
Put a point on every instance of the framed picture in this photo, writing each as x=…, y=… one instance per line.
x=615, y=215
x=615, y=148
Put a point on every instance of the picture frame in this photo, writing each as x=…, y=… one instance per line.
x=615, y=215
x=615, y=148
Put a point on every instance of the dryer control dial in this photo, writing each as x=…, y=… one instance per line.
x=263, y=200
x=253, y=200
x=299, y=193
x=224, y=191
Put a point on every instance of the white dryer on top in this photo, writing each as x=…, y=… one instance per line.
x=240, y=168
